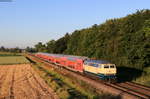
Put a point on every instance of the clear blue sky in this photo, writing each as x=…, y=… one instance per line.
x=26, y=22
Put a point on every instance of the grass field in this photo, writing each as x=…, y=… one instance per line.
x=9, y=54
x=13, y=60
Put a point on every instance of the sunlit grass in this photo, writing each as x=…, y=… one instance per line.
x=13, y=60
x=9, y=54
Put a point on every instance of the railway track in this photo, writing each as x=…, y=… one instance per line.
x=139, y=85
x=138, y=89
x=127, y=90
x=132, y=90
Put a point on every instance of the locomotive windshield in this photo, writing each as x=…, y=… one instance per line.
x=112, y=66
x=106, y=66
x=109, y=66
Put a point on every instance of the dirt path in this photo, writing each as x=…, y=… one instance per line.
x=21, y=82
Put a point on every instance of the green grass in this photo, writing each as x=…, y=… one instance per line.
x=9, y=54
x=13, y=60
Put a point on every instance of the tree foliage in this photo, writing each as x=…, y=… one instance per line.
x=13, y=50
x=40, y=47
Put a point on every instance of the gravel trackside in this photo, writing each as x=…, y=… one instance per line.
x=21, y=82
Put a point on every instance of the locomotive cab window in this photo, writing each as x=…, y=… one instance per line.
x=106, y=66
x=112, y=66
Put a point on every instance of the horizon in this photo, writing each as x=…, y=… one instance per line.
x=25, y=23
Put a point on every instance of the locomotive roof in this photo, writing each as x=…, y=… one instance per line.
x=98, y=61
x=71, y=57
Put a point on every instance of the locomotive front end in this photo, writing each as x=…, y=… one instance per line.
x=108, y=72
x=103, y=69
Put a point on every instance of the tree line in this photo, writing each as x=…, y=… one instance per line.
x=123, y=41
x=13, y=50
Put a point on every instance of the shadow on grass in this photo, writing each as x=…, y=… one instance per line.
x=31, y=61
x=75, y=94
x=107, y=96
x=127, y=74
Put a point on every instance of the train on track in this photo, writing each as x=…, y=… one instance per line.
x=100, y=68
